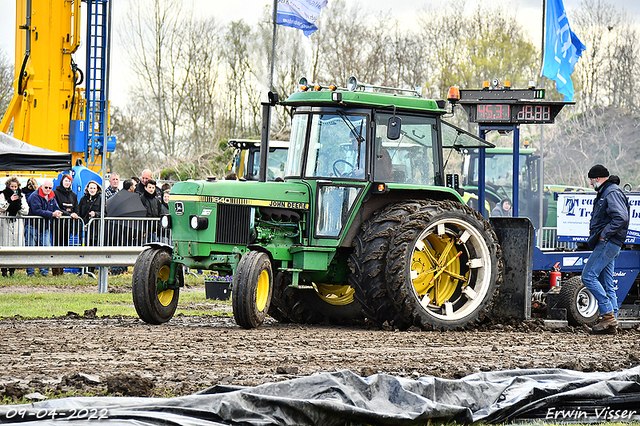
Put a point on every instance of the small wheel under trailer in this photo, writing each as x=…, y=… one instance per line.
x=581, y=305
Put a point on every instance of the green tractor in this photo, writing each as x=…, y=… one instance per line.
x=365, y=226
x=246, y=159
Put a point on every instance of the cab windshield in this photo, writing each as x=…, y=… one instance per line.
x=337, y=146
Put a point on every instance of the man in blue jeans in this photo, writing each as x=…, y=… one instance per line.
x=42, y=202
x=607, y=232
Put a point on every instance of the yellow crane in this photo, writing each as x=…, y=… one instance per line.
x=49, y=109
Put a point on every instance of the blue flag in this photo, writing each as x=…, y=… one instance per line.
x=301, y=14
x=562, y=49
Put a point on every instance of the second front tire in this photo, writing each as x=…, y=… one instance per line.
x=252, y=289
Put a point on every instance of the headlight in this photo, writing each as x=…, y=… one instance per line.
x=198, y=222
x=165, y=221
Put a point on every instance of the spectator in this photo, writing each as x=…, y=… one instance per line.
x=150, y=200
x=42, y=202
x=164, y=207
x=129, y=185
x=114, y=182
x=165, y=187
x=502, y=209
x=90, y=205
x=32, y=185
x=153, y=205
x=68, y=203
x=145, y=176
x=12, y=203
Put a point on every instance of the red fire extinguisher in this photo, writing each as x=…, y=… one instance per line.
x=555, y=276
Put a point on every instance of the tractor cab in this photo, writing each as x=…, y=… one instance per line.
x=355, y=148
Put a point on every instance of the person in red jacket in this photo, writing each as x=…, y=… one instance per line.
x=42, y=202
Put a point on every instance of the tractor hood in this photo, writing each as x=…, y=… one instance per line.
x=289, y=195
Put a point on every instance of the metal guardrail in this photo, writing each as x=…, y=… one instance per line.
x=33, y=241
x=547, y=239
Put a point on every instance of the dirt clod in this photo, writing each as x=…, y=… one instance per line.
x=129, y=385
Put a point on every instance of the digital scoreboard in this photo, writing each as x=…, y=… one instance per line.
x=509, y=107
x=513, y=113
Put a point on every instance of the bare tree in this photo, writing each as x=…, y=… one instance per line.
x=236, y=53
x=133, y=132
x=6, y=82
x=201, y=107
x=156, y=43
x=594, y=22
x=605, y=135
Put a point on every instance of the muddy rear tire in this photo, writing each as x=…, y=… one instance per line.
x=252, y=289
x=154, y=303
x=581, y=305
x=368, y=262
x=443, y=266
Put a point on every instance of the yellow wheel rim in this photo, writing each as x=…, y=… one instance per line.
x=435, y=269
x=335, y=294
x=164, y=297
x=262, y=291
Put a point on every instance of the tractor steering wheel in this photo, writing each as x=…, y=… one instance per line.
x=337, y=172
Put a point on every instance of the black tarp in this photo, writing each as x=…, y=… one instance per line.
x=339, y=398
x=16, y=155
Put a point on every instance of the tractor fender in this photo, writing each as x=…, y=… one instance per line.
x=158, y=245
x=263, y=250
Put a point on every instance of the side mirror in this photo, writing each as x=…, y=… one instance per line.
x=393, y=128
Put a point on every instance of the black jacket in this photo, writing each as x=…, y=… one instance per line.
x=67, y=200
x=90, y=204
x=151, y=203
x=610, y=215
x=14, y=206
x=140, y=189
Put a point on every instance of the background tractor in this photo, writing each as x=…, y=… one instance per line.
x=364, y=225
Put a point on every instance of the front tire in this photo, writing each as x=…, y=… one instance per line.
x=252, y=289
x=154, y=302
x=581, y=305
x=443, y=266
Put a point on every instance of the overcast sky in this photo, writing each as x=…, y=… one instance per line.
x=528, y=12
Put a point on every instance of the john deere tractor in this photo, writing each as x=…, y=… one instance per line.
x=364, y=225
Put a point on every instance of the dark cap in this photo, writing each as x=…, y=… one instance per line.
x=598, y=171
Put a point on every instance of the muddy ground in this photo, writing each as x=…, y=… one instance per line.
x=88, y=353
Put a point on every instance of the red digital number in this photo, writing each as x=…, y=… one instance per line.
x=482, y=111
x=493, y=112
